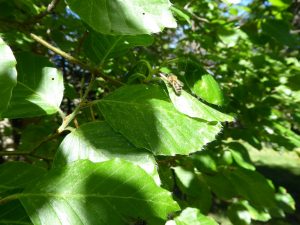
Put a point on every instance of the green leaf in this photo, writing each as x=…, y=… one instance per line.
x=16, y=175
x=238, y=214
x=99, y=47
x=189, y=105
x=192, y=216
x=13, y=213
x=180, y=14
x=112, y=192
x=144, y=115
x=253, y=187
x=97, y=142
x=282, y=4
x=240, y=155
x=200, y=82
x=8, y=74
x=125, y=17
x=196, y=191
x=210, y=90
x=205, y=162
x=285, y=201
x=39, y=90
x=242, y=212
x=221, y=185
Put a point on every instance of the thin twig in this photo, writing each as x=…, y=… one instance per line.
x=49, y=9
x=46, y=139
x=70, y=117
x=74, y=60
x=33, y=150
x=56, y=50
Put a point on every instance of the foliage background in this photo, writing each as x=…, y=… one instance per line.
x=249, y=49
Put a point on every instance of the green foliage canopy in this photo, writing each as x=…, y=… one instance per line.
x=114, y=138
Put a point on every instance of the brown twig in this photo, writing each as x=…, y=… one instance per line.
x=49, y=9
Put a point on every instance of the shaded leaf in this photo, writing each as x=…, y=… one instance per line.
x=279, y=30
x=39, y=90
x=240, y=155
x=8, y=74
x=253, y=187
x=99, y=47
x=130, y=17
x=97, y=142
x=13, y=213
x=111, y=192
x=144, y=115
x=17, y=175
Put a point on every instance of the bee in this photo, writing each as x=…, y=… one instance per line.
x=174, y=82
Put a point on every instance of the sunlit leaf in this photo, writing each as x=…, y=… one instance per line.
x=147, y=118
x=192, y=216
x=129, y=17
x=210, y=90
x=39, y=90
x=189, y=105
x=8, y=74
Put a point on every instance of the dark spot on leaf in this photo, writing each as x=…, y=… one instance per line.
x=144, y=13
x=52, y=78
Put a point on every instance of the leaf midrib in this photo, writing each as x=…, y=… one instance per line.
x=67, y=196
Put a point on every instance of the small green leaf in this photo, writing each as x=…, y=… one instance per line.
x=144, y=115
x=192, y=216
x=242, y=212
x=282, y=4
x=39, y=90
x=189, y=105
x=196, y=191
x=16, y=175
x=285, y=201
x=200, y=82
x=180, y=14
x=210, y=91
x=112, y=192
x=240, y=155
x=97, y=142
x=8, y=74
x=239, y=215
x=99, y=47
x=125, y=17
x=205, y=162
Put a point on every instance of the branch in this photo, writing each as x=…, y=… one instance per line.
x=74, y=60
